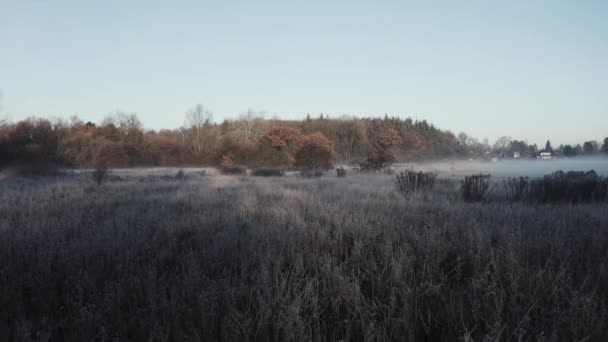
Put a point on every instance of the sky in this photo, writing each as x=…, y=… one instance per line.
x=532, y=70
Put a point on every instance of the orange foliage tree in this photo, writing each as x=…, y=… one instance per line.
x=315, y=152
x=383, y=150
x=278, y=146
x=203, y=142
x=227, y=161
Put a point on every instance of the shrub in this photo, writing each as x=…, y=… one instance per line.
x=517, y=189
x=232, y=170
x=100, y=174
x=559, y=187
x=570, y=187
x=311, y=173
x=268, y=172
x=389, y=171
x=239, y=150
x=475, y=188
x=227, y=166
x=411, y=181
x=341, y=172
x=227, y=160
x=35, y=169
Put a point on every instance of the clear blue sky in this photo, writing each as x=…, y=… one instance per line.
x=528, y=69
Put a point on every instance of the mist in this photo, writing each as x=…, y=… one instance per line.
x=510, y=167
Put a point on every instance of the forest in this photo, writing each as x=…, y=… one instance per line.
x=121, y=140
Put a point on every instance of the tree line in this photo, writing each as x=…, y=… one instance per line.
x=120, y=140
x=506, y=147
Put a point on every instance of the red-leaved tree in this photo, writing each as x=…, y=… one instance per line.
x=315, y=152
x=383, y=150
x=227, y=161
x=278, y=146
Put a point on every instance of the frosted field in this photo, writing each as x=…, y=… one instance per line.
x=148, y=256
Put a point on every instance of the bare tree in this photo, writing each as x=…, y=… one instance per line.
x=463, y=138
x=99, y=174
x=130, y=127
x=250, y=125
x=127, y=121
x=198, y=121
x=350, y=140
x=501, y=145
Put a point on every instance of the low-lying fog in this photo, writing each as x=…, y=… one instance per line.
x=510, y=167
x=445, y=168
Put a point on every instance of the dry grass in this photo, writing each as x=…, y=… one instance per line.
x=559, y=187
x=291, y=259
x=476, y=188
x=409, y=181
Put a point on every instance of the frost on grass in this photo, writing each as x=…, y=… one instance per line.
x=286, y=258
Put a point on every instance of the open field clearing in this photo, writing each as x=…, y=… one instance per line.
x=289, y=259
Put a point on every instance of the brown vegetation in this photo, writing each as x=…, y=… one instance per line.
x=412, y=181
x=121, y=141
x=315, y=152
x=254, y=142
x=278, y=146
x=565, y=187
x=285, y=259
x=383, y=150
x=476, y=188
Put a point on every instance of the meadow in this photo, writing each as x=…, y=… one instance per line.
x=154, y=257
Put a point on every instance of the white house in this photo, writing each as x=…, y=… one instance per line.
x=546, y=155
